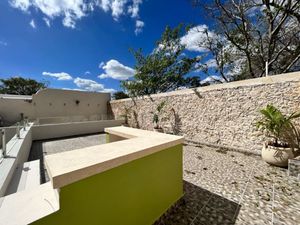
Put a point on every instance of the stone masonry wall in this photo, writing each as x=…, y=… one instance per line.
x=221, y=115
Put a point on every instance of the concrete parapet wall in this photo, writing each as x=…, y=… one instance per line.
x=53, y=103
x=50, y=131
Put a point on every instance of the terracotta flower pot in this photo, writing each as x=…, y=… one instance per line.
x=277, y=156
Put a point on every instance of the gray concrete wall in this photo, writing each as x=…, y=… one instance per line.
x=54, y=103
x=219, y=115
x=50, y=131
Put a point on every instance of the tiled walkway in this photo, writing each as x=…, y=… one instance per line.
x=224, y=187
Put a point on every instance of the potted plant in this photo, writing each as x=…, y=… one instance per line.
x=156, y=115
x=283, y=143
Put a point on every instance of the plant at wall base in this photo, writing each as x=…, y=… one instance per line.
x=126, y=115
x=283, y=135
x=156, y=116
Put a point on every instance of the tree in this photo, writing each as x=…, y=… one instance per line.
x=20, y=86
x=164, y=69
x=250, y=33
x=120, y=95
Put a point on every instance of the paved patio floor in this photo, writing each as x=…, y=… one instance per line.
x=224, y=187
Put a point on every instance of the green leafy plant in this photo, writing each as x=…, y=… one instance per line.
x=279, y=127
x=126, y=114
x=157, y=114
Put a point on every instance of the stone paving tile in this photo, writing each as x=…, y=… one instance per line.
x=236, y=189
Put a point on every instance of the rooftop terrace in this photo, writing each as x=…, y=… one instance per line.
x=220, y=186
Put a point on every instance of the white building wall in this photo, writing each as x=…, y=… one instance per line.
x=53, y=103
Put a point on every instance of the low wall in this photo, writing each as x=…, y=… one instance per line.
x=52, y=103
x=219, y=115
x=135, y=193
x=50, y=131
x=18, y=150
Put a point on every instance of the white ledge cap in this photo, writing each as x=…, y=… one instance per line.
x=67, y=167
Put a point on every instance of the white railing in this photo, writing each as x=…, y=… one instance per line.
x=7, y=133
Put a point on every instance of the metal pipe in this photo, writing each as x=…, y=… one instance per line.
x=24, y=124
x=18, y=130
x=267, y=68
x=3, y=142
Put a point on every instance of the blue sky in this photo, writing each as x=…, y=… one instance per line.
x=77, y=45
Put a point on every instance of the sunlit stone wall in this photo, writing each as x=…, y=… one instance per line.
x=222, y=115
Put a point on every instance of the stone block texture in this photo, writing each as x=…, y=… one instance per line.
x=294, y=168
x=220, y=115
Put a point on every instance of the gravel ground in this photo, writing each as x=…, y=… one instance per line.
x=226, y=187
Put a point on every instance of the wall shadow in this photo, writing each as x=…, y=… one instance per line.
x=199, y=206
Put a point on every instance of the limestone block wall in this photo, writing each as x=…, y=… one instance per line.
x=220, y=115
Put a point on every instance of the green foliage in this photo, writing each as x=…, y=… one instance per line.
x=120, y=95
x=165, y=69
x=20, y=86
x=126, y=114
x=157, y=113
x=279, y=126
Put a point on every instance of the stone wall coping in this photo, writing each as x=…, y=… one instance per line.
x=281, y=78
x=67, y=167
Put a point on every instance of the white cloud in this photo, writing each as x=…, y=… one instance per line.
x=139, y=26
x=213, y=79
x=73, y=10
x=32, y=24
x=116, y=70
x=59, y=76
x=211, y=63
x=133, y=9
x=3, y=43
x=195, y=39
x=47, y=21
x=101, y=65
x=90, y=85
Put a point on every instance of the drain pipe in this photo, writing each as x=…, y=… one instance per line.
x=267, y=68
x=3, y=143
x=24, y=124
x=18, y=130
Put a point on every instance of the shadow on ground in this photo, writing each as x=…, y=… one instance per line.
x=200, y=207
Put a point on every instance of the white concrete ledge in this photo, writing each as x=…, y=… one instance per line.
x=27, y=206
x=17, y=153
x=68, y=167
x=59, y=130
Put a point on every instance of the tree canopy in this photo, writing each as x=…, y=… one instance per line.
x=120, y=95
x=166, y=68
x=20, y=86
x=247, y=34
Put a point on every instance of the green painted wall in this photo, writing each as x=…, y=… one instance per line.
x=136, y=193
